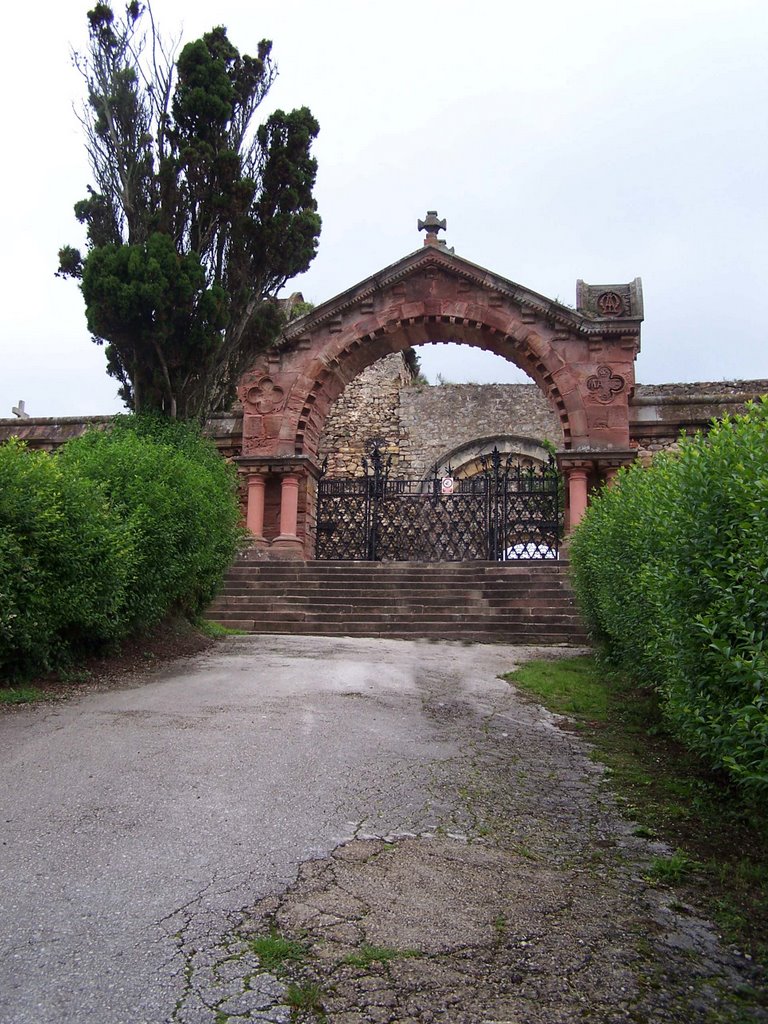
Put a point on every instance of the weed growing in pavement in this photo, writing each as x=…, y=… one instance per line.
x=366, y=955
x=644, y=832
x=305, y=998
x=274, y=952
x=720, y=836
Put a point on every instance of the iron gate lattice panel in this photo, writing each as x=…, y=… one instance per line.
x=507, y=512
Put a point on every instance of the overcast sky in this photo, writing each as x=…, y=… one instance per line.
x=561, y=140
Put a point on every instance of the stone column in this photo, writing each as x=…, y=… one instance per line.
x=254, y=518
x=577, y=494
x=288, y=544
x=610, y=475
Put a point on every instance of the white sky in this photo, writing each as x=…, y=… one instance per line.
x=596, y=140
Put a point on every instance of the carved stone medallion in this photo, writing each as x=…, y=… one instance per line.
x=605, y=384
x=610, y=304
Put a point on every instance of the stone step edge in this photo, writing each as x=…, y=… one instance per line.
x=552, y=638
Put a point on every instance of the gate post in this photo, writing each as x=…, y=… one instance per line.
x=279, y=509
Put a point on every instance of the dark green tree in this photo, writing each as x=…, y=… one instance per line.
x=196, y=217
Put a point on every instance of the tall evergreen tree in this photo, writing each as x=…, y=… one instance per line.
x=195, y=219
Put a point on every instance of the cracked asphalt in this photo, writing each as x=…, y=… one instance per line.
x=348, y=795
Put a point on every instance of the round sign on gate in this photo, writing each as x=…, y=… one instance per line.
x=446, y=485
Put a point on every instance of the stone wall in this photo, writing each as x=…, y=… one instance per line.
x=49, y=433
x=422, y=425
x=368, y=412
x=440, y=421
x=660, y=413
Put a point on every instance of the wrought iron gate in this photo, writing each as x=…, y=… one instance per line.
x=505, y=512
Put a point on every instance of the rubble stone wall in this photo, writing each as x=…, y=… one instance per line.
x=368, y=412
x=420, y=425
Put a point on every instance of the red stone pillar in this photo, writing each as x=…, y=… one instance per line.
x=254, y=517
x=288, y=542
x=610, y=475
x=577, y=495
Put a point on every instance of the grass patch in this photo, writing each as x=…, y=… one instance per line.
x=20, y=694
x=275, y=952
x=305, y=998
x=720, y=840
x=215, y=631
x=367, y=955
x=672, y=870
x=569, y=686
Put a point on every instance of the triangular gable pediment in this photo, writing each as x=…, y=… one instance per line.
x=623, y=301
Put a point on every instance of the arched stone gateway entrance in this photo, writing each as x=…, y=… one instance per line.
x=582, y=359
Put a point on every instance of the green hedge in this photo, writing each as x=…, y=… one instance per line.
x=178, y=498
x=65, y=563
x=671, y=571
x=107, y=537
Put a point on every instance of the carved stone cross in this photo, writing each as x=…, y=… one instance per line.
x=432, y=224
x=18, y=410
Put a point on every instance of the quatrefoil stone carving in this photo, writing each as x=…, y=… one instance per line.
x=605, y=384
x=265, y=396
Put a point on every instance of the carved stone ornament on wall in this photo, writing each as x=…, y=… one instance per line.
x=265, y=396
x=610, y=304
x=605, y=384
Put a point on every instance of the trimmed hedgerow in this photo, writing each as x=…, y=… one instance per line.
x=671, y=571
x=107, y=537
x=65, y=563
x=178, y=499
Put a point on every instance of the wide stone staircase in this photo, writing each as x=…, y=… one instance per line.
x=513, y=602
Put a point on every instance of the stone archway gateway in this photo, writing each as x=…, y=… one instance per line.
x=582, y=359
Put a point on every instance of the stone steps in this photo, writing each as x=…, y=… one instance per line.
x=520, y=603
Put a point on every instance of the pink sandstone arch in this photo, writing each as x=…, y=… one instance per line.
x=582, y=359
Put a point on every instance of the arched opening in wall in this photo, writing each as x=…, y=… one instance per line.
x=391, y=444
x=391, y=403
x=580, y=360
x=448, y=363
x=528, y=487
x=471, y=458
x=354, y=353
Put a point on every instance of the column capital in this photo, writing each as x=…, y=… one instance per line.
x=278, y=465
x=589, y=460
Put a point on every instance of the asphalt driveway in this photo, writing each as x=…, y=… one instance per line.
x=136, y=825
